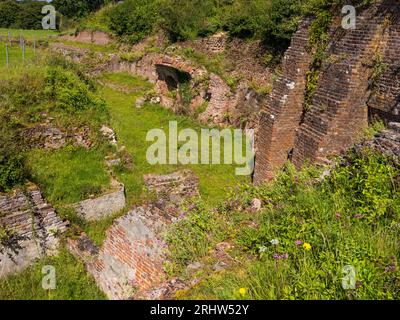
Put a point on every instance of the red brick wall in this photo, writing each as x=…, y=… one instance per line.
x=281, y=115
x=339, y=107
x=385, y=98
x=345, y=95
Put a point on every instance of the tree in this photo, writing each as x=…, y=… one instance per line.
x=134, y=19
x=30, y=16
x=72, y=8
x=187, y=19
x=9, y=11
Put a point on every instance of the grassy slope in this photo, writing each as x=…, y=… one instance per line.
x=72, y=282
x=132, y=124
x=15, y=56
x=15, y=52
x=28, y=34
x=351, y=218
x=69, y=174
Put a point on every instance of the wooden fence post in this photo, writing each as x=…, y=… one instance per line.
x=6, y=54
x=23, y=50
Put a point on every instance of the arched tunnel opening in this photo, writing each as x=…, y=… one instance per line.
x=172, y=76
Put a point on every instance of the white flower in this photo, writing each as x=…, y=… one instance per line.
x=274, y=242
x=263, y=249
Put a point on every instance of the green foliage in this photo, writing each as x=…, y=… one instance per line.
x=69, y=175
x=76, y=8
x=73, y=283
x=12, y=159
x=69, y=92
x=318, y=227
x=133, y=20
x=368, y=186
x=195, y=235
x=9, y=11
x=98, y=21
x=26, y=14
x=378, y=68
x=188, y=19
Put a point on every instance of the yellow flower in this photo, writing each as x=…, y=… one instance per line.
x=242, y=291
x=307, y=246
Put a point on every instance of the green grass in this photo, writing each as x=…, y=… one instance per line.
x=28, y=34
x=351, y=218
x=72, y=281
x=97, y=21
x=90, y=46
x=132, y=124
x=15, y=55
x=69, y=175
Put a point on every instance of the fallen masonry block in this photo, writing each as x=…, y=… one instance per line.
x=103, y=206
x=174, y=187
x=30, y=230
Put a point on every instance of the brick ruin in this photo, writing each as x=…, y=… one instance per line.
x=103, y=206
x=283, y=109
x=30, y=230
x=177, y=80
x=344, y=98
x=131, y=259
x=87, y=36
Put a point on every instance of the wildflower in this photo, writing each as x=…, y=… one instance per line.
x=242, y=291
x=274, y=242
x=283, y=256
x=307, y=246
x=262, y=249
x=338, y=215
x=276, y=256
x=358, y=216
x=298, y=243
x=391, y=268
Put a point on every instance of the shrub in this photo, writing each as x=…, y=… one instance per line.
x=69, y=92
x=188, y=19
x=12, y=158
x=133, y=20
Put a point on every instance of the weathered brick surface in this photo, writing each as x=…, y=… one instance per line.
x=282, y=113
x=32, y=225
x=386, y=142
x=174, y=187
x=96, y=37
x=347, y=92
x=132, y=256
x=339, y=107
x=103, y=206
x=209, y=45
x=385, y=98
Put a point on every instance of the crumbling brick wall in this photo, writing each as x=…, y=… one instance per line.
x=132, y=257
x=384, y=101
x=339, y=107
x=87, y=36
x=349, y=89
x=281, y=115
x=32, y=229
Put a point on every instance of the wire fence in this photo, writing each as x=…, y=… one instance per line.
x=17, y=49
